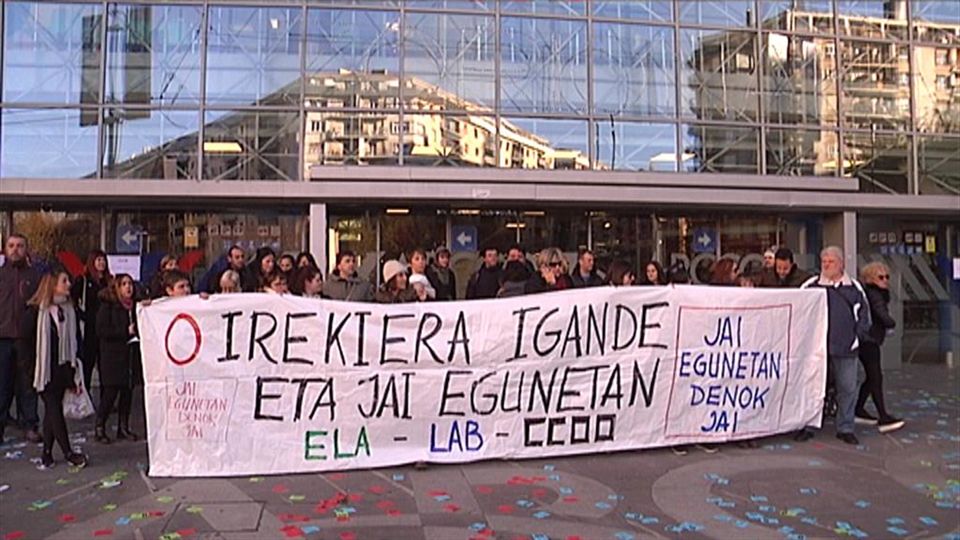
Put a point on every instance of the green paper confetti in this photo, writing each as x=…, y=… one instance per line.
x=297, y=498
x=165, y=499
x=108, y=507
x=194, y=509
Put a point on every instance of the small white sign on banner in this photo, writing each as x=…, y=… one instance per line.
x=244, y=384
x=125, y=264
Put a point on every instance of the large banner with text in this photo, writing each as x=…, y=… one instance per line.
x=258, y=384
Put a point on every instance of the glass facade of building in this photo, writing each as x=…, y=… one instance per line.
x=861, y=93
x=866, y=89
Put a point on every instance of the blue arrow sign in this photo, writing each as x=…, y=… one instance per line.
x=464, y=238
x=704, y=240
x=128, y=238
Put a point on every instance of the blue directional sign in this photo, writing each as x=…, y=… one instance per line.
x=464, y=238
x=704, y=240
x=128, y=238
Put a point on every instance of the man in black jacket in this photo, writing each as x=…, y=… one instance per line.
x=585, y=273
x=785, y=273
x=486, y=281
x=18, y=282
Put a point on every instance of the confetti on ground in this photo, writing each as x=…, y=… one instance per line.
x=39, y=505
x=928, y=521
x=103, y=532
x=297, y=498
x=166, y=499
x=897, y=531
x=194, y=509
x=542, y=514
x=6, y=487
x=862, y=504
x=108, y=507
x=14, y=535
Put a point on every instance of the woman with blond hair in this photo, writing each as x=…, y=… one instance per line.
x=553, y=273
x=51, y=344
x=876, y=280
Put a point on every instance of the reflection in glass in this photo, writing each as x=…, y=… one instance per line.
x=721, y=149
x=535, y=143
x=799, y=79
x=936, y=89
x=153, y=55
x=249, y=145
x=543, y=65
x=347, y=89
x=634, y=146
x=939, y=165
x=433, y=139
x=652, y=10
x=633, y=70
x=158, y=144
x=808, y=16
x=873, y=18
x=719, y=75
x=728, y=13
x=53, y=232
x=355, y=40
x=474, y=5
x=796, y=152
x=875, y=85
x=46, y=143
x=253, y=55
x=544, y=7
x=880, y=160
x=935, y=21
x=51, y=53
x=454, y=52
x=342, y=138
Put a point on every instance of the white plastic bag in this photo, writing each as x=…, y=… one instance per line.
x=77, y=405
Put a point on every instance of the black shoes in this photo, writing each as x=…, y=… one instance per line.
x=848, y=438
x=77, y=460
x=803, y=435
x=889, y=424
x=46, y=461
x=100, y=435
x=865, y=419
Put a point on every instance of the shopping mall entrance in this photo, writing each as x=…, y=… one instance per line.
x=640, y=236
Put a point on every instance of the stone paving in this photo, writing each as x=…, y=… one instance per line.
x=901, y=485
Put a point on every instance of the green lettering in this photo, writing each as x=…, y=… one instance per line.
x=309, y=456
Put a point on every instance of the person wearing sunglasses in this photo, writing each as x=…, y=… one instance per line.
x=876, y=279
x=552, y=275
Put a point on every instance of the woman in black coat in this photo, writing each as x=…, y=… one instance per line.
x=119, y=356
x=876, y=279
x=85, y=293
x=50, y=346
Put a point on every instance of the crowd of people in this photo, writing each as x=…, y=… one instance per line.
x=56, y=329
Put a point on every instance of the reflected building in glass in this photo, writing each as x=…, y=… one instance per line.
x=635, y=129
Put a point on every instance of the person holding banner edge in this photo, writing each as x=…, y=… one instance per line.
x=848, y=321
x=119, y=357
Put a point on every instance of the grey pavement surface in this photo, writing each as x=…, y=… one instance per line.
x=900, y=485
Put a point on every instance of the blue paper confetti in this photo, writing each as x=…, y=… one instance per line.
x=123, y=521
x=603, y=505
x=540, y=537
x=566, y=491
x=928, y=521
x=554, y=477
x=808, y=491
x=649, y=520
x=768, y=509
x=523, y=503
x=478, y=526
x=758, y=498
x=399, y=478
x=549, y=467
x=797, y=536
x=897, y=531
x=442, y=498
x=862, y=504
x=310, y=529
x=809, y=520
x=895, y=521
x=623, y=535
x=723, y=518
x=542, y=514
x=741, y=524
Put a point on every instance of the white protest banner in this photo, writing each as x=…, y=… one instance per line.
x=257, y=384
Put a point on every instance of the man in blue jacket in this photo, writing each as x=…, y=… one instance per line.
x=848, y=318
